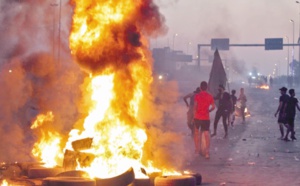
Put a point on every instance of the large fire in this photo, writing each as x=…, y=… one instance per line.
x=107, y=41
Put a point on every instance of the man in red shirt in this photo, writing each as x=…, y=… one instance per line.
x=204, y=104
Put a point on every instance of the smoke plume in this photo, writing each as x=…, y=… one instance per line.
x=33, y=79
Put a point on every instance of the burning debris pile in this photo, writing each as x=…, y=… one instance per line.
x=33, y=175
x=72, y=158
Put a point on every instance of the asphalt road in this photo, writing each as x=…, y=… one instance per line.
x=252, y=155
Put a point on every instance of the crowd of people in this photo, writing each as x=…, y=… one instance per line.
x=198, y=115
x=201, y=103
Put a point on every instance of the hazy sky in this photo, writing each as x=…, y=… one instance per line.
x=242, y=21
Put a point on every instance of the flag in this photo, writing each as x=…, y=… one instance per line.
x=217, y=75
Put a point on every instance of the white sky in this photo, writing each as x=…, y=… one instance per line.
x=242, y=21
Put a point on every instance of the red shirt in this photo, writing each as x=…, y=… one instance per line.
x=203, y=100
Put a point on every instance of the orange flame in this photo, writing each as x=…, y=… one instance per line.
x=48, y=147
x=4, y=183
x=116, y=136
x=41, y=119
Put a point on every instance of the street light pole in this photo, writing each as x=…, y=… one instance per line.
x=288, y=57
x=293, y=51
x=187, y=50
x=299, y=29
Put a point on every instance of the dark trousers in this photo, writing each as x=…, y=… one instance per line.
x=291, y=125
x=225, y=116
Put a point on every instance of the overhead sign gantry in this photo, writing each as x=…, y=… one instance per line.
x=224, y=44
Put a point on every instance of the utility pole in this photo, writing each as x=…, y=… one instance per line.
x=53, y=44
x=59, y=28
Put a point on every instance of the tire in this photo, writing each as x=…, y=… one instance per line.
x=68, y=181
x=186, y=180
x=74, y=173
x=197, y=176
x=121, y=180
x=42, y=172
x=152, y=177
x=12, y=171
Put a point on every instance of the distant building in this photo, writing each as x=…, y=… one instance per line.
x=168, y=61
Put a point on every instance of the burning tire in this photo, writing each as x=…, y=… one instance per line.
x=152, y=177
x=68, y=181
x=141, y=182
x=121, y=180
x=42, y=172
x=186, y=180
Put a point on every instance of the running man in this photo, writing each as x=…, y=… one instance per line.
x=204, y=104
x=281, y=116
